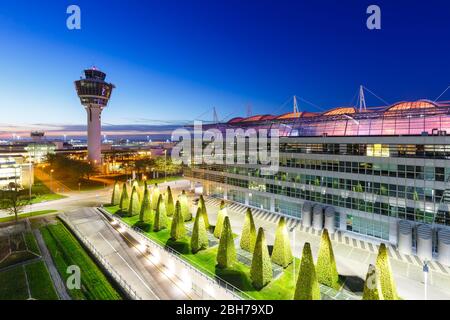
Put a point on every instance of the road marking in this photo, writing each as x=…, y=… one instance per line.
x=137, y=275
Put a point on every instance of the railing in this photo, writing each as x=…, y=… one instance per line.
x=106, y=265
x=189, y=264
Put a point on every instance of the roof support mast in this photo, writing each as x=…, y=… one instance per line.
x=362, y=100
x=295, y=105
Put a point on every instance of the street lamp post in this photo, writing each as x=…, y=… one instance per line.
x=293, y=249
x=30, y=177
x=165, y=165
x=51, y=180
x=425, y=278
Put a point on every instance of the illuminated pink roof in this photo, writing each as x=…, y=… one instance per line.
x=258, y=118
x=421, y=104
x=236, y=120
x=339, y=111
x=293, y=115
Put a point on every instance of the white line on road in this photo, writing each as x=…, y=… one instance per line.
x=137, y=275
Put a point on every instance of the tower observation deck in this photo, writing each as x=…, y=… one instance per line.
x=94, y=94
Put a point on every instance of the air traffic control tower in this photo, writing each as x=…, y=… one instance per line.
x=94, y=94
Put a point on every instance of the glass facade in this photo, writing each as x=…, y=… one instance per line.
x=373, y=167
x=288, y=208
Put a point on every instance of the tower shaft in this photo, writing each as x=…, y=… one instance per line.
x=94, y=126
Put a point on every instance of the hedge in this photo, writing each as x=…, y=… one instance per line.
x=261, y=269
x=248, y=236
x=135, y=204
x=307, y=287
x=160, y=215
x=170, y=207
x=146, y=213
x=177, y=229
x=199, y=238
x=372, y=288
x=226, y=253
x=282, y=253
x=124, y=199
x=220, y=219
x=326, y=265
x=383, y=267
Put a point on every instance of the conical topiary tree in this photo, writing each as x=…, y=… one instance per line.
x=177, y=229
x=282, y=253
x=115, y=198
x=185, y=210
x=134, y=207
x=170, y=207
x=202, y=205
x=199, y=239
x=383, y=267
x=160, y=221
x=134, y=184
x=307, y=287
x=372, y=288
x=261, y=270
x=124, y=199
x=326, y=265
x=248, y=236
x=142, y=190
x=155, y=196
x=146, y=212
x=220, y=219
x=226, y=254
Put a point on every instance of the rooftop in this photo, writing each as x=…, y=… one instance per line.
x=420, y=117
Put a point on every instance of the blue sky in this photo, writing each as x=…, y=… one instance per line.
x=175, y=60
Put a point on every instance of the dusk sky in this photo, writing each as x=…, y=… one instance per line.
x=174, y=60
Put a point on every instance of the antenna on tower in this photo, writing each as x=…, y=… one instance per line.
x=295, y=105
x=249, y=110
x=362, y=99
x=215, y=116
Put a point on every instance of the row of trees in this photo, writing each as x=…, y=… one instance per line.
x=379, y=281
x=66, y=168
x=161, y=165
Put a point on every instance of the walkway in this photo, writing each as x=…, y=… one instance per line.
x=58, y=282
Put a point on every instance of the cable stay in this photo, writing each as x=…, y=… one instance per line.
x=376, y=96
x=441, y=94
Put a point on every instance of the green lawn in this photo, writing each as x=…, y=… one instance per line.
x=23, y=247
x=40, y=193
x=85, y=185
x=67, y=251
x=39, y=281
x=31, y=243
x=27, y=215
x=13, y=283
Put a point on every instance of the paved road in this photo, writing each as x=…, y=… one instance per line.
x=146, y=278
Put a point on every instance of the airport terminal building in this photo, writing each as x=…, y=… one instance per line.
x=378, y=173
